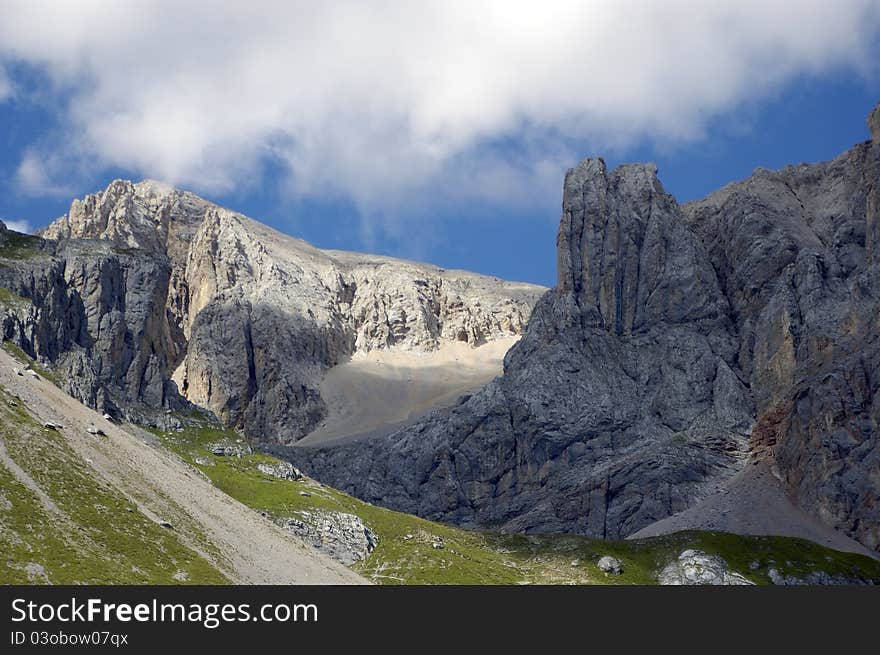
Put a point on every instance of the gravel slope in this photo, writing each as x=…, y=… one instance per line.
x=379, y=391
x=248, y=548
x=753, y=502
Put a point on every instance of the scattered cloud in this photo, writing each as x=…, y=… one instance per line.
x=5, y=86
x=393, y=103
x=18, y=226
x=40, y=174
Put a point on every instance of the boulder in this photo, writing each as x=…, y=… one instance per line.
x=814, y=578
x=342, y=536
x=610, y=564
x=281, y=470
x=227, y=449
x=694, y=567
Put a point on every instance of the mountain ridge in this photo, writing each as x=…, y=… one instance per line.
x=682, y=344
x=216, y=309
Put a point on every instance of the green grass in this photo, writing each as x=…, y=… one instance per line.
x=30, y=535
x=88, y=532
x=27, y=360
x=20, y=246
x=405, y=554
x=12, y=300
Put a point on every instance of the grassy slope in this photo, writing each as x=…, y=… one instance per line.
x=20, y=246
x=406, y=555
x=94, y=536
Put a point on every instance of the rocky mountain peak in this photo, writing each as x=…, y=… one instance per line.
x=139, y=215
x=621, y=403
x=625, y=253
x=172, y=298
x=874, y=124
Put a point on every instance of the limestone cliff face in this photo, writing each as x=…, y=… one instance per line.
x=671, y=331
x=96, y=313
x=179, y=300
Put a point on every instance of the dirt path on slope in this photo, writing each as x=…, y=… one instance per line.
x=246, y=547
x=380, y=391
x=754, y=502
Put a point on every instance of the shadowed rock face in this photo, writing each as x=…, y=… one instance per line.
x=146, y=298
x=670, y=332
x=96, y=313
x=620, y=405
x=797, y=250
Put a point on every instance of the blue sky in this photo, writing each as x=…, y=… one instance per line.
x=465, y=172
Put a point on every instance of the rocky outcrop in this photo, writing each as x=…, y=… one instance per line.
x=671, y=332
x=230, y=449
x=814, y=578
x=620, y=405
x=280, y=470
x=95, y=312
x=148, y=299
x=342, y=536
x=694, y=567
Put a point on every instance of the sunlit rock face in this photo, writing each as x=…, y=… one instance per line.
x=152, y=299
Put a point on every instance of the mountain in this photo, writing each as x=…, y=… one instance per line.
x=153, y=303
x=682, y=349
x=710, y=366
x=703, y=369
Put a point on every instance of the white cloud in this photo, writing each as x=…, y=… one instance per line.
x=388, y=102
x=40, y=175
x=6, y=89
x=18, y=226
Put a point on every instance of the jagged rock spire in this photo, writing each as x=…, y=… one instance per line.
x=625, y=253
x=874, y=124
